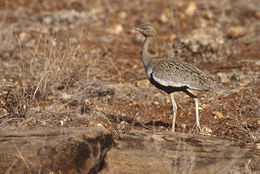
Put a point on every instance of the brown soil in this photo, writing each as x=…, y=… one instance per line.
x=77, y=63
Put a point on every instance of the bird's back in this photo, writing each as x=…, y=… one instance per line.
x=176, y=73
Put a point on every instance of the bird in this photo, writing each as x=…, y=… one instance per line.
x=172, y=75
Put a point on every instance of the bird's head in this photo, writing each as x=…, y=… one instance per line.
x=146, y=29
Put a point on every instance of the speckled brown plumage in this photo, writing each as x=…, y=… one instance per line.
x=175, y=73
x=170, y=74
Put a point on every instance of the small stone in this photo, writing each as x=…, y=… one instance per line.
x=206, y=131
x=91, y=124
x=61, y=107
x=245, y=82
x=217, y=115
x=66, y=96
x=236, y=32
x=143, y=83
x=45, y=31
x=116, y=29
x=100, y=125
x=258, y=146
x=204, y=106
x=190, y=113
x=24, y=37
x=97, y=10
x=87, y=102
x=257, y=14
x=48, y=20
x=223, y=77
x=183, y=126
x=95, y=98
x=173, y=37
x=163, y=18
x=191, y=9
x=4, y=111
x=122, y=15
x=123, y=126
x=156, y=102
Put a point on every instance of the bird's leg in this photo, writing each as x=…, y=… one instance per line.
x=196, y=101
x=174, y=111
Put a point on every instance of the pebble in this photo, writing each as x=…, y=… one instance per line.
x=122, y=15
x=95, y=98
x=163, y=18
x=223, y=77
x=117, y=29
x=206, y=131
x=183, y=126
x=258, y=146
x=24, y=37
x=100, y=125
x=204, y=106
x=245, y=83
x=236, y=32
x=217, y=115
x=191, y=9
x=66, y=96
x=143, y=83
x=48, y=20
x=87, y=102
x=156, y=102
x=123, y=126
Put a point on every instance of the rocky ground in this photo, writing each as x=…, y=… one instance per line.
x=71, y=63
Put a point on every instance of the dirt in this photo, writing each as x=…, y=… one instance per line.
x=77, y=63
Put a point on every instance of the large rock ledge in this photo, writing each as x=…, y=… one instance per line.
x=92, y=150
x=146, y=152
x=53, y=150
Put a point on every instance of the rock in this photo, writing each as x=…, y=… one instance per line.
x=24, y=37
x=161, y=152
x=217, y=115
x=191, y=9
x=53, y=150
x=258, y=146
x=117, y=29
x=143, y=83
x=163, y=18
x=206, y=131
x=245, y=82
x=48, y=20
x=183, y=126
x=96, y=98
x=123, y=127
x=223, y=77
x=236, y=32
x=65, y=96
x=122, y=15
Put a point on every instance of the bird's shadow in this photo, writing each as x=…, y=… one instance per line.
x=134, y=122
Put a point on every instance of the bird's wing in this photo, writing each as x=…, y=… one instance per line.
x=170, y=72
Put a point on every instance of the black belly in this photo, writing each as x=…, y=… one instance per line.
x=168, y=89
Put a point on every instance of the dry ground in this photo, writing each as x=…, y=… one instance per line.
x=77, y=63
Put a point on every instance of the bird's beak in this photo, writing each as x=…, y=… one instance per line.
x=135, y=28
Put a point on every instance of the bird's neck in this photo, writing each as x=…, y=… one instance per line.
x=145, y=54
